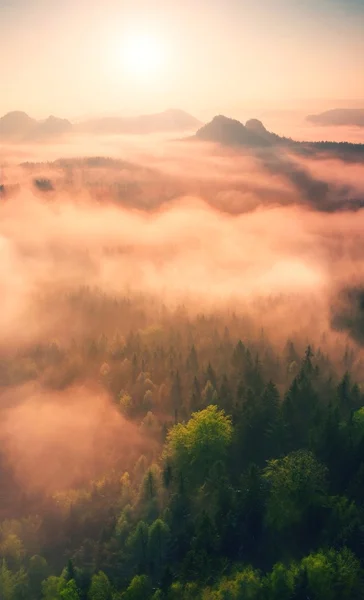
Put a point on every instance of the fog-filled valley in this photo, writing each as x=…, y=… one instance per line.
x=181, y=369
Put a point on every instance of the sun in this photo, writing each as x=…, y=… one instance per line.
x=144, y=56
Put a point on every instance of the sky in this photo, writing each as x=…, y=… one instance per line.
x=69, y=58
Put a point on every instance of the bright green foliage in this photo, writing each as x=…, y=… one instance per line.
x=125, y=403
x=358, y=418
x=246, y=584
x=358, y=425
x=51, y=588
x=139, y=589
x=320, y=575
x=100, y=588
x=193, y=448
x=295, y=482
x=280, y=583
x=6, y=582
x=189, y=591
x=12, y=549
x=13, y=585
x=333, y=575
x=70, y=591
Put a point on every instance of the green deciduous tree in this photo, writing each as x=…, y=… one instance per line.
x=51, y=588
x=125, y=403
x=6, y=582
x=12, y=549
x=70, y=591
x=333, y=575
x=100, y=588
x=193, y=448
x=279, y=583
x=13, y=585
x=295, y=483
x=139, y=589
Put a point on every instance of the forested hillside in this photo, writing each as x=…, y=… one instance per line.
x=232, y=467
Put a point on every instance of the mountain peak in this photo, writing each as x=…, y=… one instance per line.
x=14, y=123
x=230, y=131
x=256, y=126
x=52, y=126
x=18, y=125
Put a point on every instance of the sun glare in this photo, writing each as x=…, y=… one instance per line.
x=144, y=56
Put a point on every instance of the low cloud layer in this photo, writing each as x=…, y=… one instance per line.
x=277, y=237
x=58, y=440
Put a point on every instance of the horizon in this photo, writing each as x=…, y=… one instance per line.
x=295, y=124
x=295, y=107
x=136, y=60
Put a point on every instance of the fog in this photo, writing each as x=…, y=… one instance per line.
x=274, y=237
x=177, y=220
x=57, y=440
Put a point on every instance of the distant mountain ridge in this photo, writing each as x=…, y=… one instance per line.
x=166, y=121
x=254, y=135
x=16, y=123
x=230, y=131
x=19, y=126
x=339, y=116
x=53, y=126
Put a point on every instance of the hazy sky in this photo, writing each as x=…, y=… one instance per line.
x=66, y=56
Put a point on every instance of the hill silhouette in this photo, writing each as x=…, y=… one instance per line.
x=255, y=136
x=19, y=126
x=53, y=126
x=166, y=121
x=339, y=116
x=16, y=124
x=231, y=132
